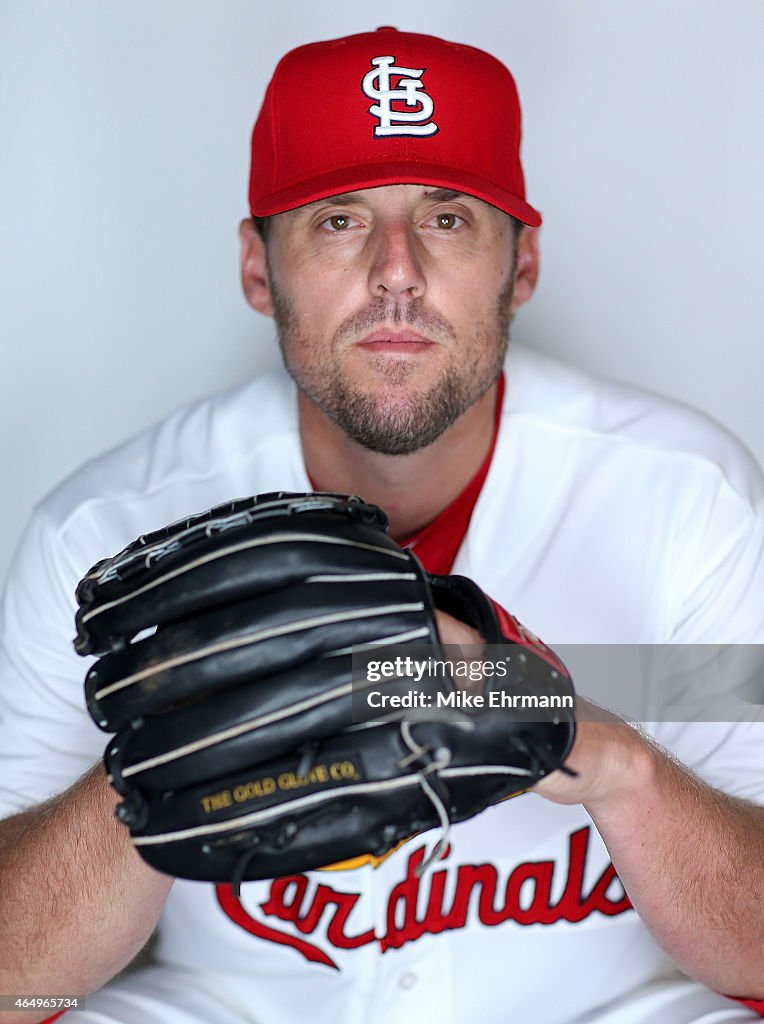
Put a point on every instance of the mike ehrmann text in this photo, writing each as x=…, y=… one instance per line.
x=462, y=699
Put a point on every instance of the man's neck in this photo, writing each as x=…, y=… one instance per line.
x=412, y=489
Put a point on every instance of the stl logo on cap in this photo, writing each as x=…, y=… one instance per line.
x=409, y=90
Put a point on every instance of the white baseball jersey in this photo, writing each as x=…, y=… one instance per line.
x=608, y=517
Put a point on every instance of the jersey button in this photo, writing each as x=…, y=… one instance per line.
x=407, y=980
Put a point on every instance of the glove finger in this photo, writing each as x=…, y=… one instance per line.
x=137, y=557
x=366, y=789
x=249, y=563
x=253, y=639
x=225, y=732
x=353, y=800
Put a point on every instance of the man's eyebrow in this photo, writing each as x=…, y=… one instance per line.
x=343, y=198
x=439, y=195
x=445, y=195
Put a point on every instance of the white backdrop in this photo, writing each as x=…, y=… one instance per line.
x=124, y=132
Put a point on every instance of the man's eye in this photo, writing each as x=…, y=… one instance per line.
x=338, y=222
x=447, y=221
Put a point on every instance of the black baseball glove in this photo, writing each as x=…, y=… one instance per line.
x=226, y=654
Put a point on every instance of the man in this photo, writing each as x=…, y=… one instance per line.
x=392, y=243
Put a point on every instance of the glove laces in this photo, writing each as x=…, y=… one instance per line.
x=431, y=761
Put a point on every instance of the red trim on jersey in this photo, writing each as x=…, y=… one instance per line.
x=757, y=1005
x=49, y=1020
x=437, y=544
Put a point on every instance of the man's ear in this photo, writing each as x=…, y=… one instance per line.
x=254, y=273
x=526, y=267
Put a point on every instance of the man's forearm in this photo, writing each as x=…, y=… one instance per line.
x=690, y=857
x=76, y=902
x=692, y=860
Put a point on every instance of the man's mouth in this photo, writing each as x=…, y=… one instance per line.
x=394, y=342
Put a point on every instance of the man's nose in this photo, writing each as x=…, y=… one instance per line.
x=396, y=264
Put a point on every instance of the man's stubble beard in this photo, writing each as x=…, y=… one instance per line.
x=395, y=426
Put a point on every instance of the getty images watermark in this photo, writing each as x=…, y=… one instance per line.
x=459, y=697
x=423, y=679
x=642, y=682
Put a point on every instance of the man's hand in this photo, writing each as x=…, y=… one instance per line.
x=607, y=755
x=454, y=632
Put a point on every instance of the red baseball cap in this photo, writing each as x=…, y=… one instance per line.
x=388, y=108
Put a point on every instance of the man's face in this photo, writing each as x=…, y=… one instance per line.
x=393, y=307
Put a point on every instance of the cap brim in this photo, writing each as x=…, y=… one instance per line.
x=352, y=179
